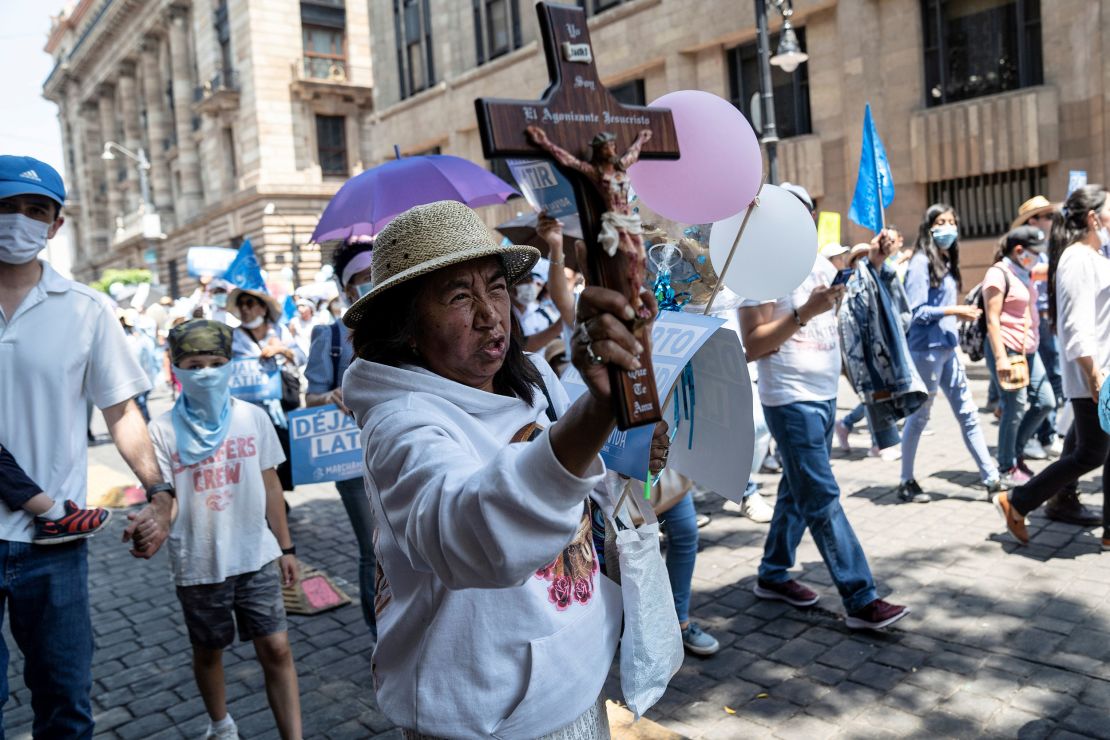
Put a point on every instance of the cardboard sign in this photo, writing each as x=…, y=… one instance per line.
x=546, y=189
x=828, y=228
x=313, y=593
x=324, y=445
x=677, y=338
x=253, y=381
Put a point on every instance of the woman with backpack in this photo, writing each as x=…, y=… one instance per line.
x=1010, y=302
x=329, y=355
x=932, y=286
x=1079, y=310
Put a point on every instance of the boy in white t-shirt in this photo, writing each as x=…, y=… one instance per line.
x=230, y=548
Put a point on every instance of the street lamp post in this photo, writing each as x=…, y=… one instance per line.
x=143, y=165
x=788, y=56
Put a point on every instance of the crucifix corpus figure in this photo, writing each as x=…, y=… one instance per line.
x=620, y=226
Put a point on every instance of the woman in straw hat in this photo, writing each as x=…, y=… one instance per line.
x=260, y=335
x=493, y=618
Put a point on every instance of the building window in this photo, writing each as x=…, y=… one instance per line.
x=412, y=26
x=980, y=47
x=791, y=89
x=593, y=7
x=986, y=203
x=496, y=28
x=630, y=93
x=223, y=36
x=324, y=39
x=331, y=145
x=232, y=160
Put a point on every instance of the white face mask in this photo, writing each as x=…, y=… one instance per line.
x=1103, y=234
x=254, y=323
x=527, y=293
x=21, y=238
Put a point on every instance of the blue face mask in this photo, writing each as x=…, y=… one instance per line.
x=364, y=288
x=945, y=236
x=202, y=414
x=219, y=300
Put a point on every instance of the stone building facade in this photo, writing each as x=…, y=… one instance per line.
x=236, y=104
x=980, y=102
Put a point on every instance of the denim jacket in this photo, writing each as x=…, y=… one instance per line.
x=874, y=317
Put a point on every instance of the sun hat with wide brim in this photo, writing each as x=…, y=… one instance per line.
x=427, y=238
x=273, y=310
x=1035, y=206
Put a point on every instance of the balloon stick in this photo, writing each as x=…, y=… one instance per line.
x=735, y=243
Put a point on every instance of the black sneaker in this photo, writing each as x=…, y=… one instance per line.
x=910, y=492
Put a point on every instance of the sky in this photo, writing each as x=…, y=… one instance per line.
x=28, y=122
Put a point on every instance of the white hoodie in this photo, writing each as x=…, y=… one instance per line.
x=491, y=620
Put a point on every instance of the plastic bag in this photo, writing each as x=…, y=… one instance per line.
x=651, y=644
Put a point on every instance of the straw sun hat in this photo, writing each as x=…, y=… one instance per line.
x=273, y=310
x=426, y=238
x=1035, y=206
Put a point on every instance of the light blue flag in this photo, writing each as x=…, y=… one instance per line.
x=874, y=177
x=288, y=309
x=244, y=271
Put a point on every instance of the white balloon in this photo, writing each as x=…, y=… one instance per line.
x=776, y=252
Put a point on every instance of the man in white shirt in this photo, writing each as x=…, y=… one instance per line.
x=796, y=343
x=60, y=343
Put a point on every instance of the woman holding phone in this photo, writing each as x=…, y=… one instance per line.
x=932, y=287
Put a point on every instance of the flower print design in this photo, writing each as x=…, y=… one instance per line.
x=583, y=590
x=559, y=592
x=571, y=574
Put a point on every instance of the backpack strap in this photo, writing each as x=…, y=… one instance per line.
x=551, y=415
x=336, y=350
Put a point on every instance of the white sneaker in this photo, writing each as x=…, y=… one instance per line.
x=842, y=432
x=1034, y=450
x=887, y=454
x=756, y=509
x=1056, y=448
x=226, y=732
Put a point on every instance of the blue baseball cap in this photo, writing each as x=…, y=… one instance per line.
x=29, y=176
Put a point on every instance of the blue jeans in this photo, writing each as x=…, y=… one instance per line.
x=941, y=368
x=45, y=591
x=681, y=521
x=855, y=416
x=353, y=494
x=1050, y=357
x=1022, y=410
x=810, y=498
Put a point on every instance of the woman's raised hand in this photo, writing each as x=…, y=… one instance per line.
x=602, y=337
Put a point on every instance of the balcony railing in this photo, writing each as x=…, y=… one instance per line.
x=221, y=82
x=323, y=68
x=137, y=224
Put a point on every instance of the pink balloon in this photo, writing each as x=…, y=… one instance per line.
x=720, y=167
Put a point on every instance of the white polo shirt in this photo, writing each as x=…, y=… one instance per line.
x=63, y=345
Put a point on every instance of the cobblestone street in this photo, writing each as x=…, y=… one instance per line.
x=1003, y=641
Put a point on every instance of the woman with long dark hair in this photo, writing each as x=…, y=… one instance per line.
x=1079, y=310
x=932, y=287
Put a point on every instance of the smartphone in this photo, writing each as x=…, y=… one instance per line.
x=843, y=276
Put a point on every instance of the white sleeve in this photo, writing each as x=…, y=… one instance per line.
x=113, y=374
x=270, y=454
x=1076, y=307
x=162, y=452
x=473, y=524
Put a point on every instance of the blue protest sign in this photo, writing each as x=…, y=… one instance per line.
x=324, y=445
x=1076, y=180
x=252, y=380
x=874, y=181
x=208, y=261
x=675, y=338
x=547, y=190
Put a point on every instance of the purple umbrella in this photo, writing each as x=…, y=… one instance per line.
x=368, y=201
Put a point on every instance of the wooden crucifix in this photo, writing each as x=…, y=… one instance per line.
x=593, y=139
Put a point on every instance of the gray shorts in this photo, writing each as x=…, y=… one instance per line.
x=253, y=598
